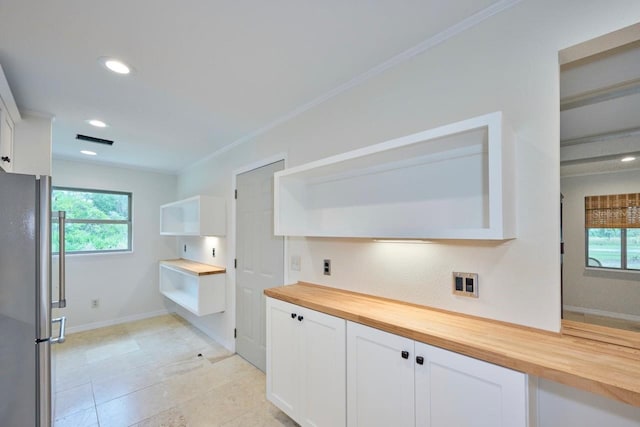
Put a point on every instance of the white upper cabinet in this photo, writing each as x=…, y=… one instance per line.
x=195, y=216
x=9, y=116
x=452, y=182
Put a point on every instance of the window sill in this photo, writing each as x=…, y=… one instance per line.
x=96, y=253
x=612, y=273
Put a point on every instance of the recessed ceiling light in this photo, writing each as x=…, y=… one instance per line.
x=97, y=123
x=115, y=65
x=88, y=153
x=628, y=159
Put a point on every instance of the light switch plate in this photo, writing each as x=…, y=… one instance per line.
x=326, y=267
x=295, y=262
x=467, y=279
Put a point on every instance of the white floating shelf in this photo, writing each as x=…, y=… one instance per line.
x=195, y=216
x=200, y=288
x=452, y=182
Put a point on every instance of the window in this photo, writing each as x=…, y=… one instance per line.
x=96, y=220
x=612, y=231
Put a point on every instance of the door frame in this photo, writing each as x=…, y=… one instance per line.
x=232, y=235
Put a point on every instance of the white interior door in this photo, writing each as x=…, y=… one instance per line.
x=260, y=260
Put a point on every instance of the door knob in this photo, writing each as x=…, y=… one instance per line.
x=293, y=315
x=300, y=318
x=6, y=159
x=420, y=360
x=405, y=354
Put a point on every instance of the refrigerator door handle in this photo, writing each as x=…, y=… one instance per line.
x=63, y=323
x=62, y=297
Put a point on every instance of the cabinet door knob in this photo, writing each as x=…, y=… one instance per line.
x=420, y=360
x=6, y=159
x=293, y=315
x=300, y=318
x=405, y=354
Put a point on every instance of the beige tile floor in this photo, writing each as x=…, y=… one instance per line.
x=148, y=373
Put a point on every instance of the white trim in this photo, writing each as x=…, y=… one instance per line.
x=573, y=175
x=231, y=235
x=408, y=54
x=83, y=254
x=119, y=320
x=110, y=164
x=260, y=163
x=596, y=312
x=612, y=271
x=38, y=114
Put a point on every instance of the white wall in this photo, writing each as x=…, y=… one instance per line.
x=32, y=144
x=127, y=283
x=199, y=249
x=609, y=291
x=508, y=63
x=562, y=406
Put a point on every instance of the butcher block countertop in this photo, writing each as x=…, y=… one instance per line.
x=192, y=267
x=609, y=370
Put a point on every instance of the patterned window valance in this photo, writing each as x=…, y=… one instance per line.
x=612, y=211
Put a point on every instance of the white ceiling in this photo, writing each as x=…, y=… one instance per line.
x=595, y=136
x=208, y=73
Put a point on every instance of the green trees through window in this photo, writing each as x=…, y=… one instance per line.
x=613, y=248
x=97, y=221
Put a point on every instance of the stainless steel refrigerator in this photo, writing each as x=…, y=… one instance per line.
x=26, y=304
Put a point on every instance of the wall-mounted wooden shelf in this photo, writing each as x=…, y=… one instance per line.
x=451, y=182
x=200, y=288
x=196, y=216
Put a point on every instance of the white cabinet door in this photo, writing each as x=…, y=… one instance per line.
x=306, y=364
x=380, y=380
x=283, y=354
x=323, y=370
x=6, y=140
x=453, y=390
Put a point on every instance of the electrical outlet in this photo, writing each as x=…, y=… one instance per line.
x=95, y=303
x=295, y=262
x=327, y=267
x=465, y=284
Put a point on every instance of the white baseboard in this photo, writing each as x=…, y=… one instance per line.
x=111, y=322
x=596, y=312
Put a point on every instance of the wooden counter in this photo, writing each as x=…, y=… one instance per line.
x=609, y=370
x=192, y=267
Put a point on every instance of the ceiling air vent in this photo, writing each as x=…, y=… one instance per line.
x=94, y=139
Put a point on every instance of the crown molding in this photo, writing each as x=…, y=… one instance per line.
x=394, y=61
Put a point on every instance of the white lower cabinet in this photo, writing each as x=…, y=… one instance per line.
x=306, y=364
x=392, y=380
x=455, y=390
x=380, y=381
